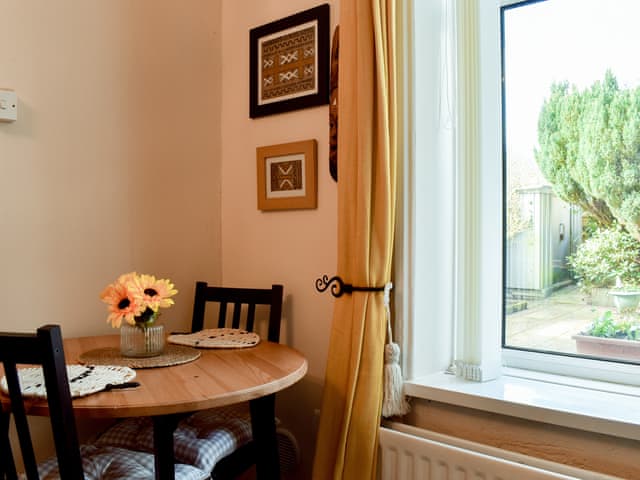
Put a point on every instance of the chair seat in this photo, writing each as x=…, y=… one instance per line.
x=200, y=440
x=113, y=463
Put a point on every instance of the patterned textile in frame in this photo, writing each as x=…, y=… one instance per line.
x=288, y=64
x=286, y=176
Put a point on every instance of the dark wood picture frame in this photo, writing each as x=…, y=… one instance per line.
x=289, y=63
x=287, y=176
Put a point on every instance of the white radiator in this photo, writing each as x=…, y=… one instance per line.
x=416, y=454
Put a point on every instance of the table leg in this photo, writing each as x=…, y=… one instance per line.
x=163, y=428
x=263, y=426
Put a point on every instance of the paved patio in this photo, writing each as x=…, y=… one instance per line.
x=548, y=324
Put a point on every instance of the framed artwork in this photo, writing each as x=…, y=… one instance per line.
x=289, y=63
x=287, y=176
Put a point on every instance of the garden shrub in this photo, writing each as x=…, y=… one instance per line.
x=609, y=253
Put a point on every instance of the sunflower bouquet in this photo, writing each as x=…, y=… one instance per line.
x=137, y=299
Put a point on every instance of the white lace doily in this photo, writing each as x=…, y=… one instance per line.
x=217, y=338
x=83, y=379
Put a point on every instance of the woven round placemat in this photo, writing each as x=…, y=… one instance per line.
x=172, y=355
x=83, y=379
x=217, y=338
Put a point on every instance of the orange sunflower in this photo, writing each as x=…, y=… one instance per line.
x=124, y=302
x=155, y=293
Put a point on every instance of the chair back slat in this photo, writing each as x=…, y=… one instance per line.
x=222, y=315
x=244, y=302
x=251, y=316
x=276, y=312
x=43, y=348
x=237, y=310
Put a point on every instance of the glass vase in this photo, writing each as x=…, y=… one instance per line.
x=141, y=341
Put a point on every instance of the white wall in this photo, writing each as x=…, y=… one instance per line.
x=289, y=247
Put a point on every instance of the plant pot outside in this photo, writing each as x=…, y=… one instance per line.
x=599, y=297
x=626, y=301
x=617, y=348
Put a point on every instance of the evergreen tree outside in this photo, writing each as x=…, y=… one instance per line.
x=589, y=150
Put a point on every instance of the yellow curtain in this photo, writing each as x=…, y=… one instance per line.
x=368, y=106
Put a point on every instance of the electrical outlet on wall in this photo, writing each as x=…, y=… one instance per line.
x=8, y=106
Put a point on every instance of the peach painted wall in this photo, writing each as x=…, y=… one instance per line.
x=114, y=162
x=290, y=247
x=127, y=155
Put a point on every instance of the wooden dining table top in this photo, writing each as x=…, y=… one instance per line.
x=218, y=377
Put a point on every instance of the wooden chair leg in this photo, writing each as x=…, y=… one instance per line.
x=7, y=465
x=263, y=426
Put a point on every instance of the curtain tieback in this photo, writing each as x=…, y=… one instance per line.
x=394, y=401
x=339, y=287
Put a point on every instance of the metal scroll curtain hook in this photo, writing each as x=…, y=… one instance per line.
x=339, y=287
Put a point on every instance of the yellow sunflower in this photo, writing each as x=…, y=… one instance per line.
x=124, y=302
x=155, y=293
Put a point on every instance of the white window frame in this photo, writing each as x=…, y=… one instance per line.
x=457, y=279
x=449, y=290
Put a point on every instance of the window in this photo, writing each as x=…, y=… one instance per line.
x=456, y=286
x=571, y=140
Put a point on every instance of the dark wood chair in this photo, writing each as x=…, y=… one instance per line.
x=42, y=348
x=236, y=308
x=72, y=461
x=222, y=441
x=209, y=439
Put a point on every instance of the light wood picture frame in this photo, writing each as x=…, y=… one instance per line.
x=287, y=176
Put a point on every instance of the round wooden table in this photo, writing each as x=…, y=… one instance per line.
x=218, y=377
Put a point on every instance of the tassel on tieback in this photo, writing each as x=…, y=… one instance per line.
x=394, y=401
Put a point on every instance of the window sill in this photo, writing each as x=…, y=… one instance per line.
x=580, y=404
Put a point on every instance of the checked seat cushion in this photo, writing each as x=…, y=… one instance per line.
x=112, y=463
x=200, y=440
